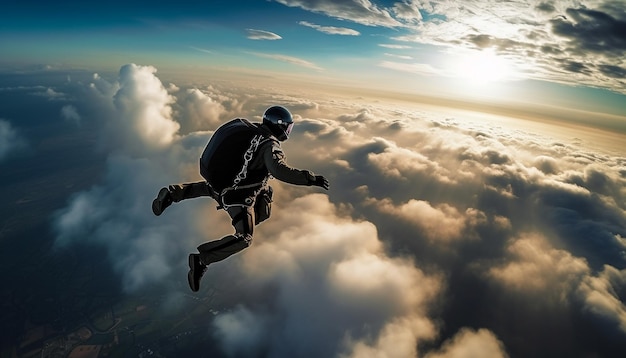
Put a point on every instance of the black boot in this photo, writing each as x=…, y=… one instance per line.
x=162, y=201
x=196, y=270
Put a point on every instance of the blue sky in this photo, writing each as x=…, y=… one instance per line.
x=475, y=48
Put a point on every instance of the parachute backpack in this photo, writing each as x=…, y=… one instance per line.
x=224, y=162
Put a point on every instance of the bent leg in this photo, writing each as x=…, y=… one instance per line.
x=189, y=191
x=218, y=250
x=175, y=193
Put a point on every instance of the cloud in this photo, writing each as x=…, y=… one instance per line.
x=144, y=119
x=289, y=59
x=53, y=95
x=10, y=139
x=262, y=35
x=70, y=114
x=469, y=343
x=197, y=110
x=539, y=268
x=201, y=49
x=600, y=295
x=408, y=11
x=332, y=273
x=402, y=57
x=395, y=46
x=594, y=30
x=331, y=30
x=135, y=126
x=456, y=193
x=362, y=12
x=116, y=215
x=416, y=68
x=241, y=331
x=443, y=223
x=396, y=340
x=562, y=279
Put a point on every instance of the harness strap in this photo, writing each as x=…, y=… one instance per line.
x=221, y=196
x=247, y=157
x=256, y=141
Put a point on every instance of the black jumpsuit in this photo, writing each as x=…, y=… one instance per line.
x=270, y=158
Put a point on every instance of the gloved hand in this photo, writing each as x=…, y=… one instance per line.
x=321, y=182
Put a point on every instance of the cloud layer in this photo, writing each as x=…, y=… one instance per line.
x=442, y=236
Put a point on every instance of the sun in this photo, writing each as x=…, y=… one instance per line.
x=480, y=67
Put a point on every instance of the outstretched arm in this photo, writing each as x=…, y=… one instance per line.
x=274, y=159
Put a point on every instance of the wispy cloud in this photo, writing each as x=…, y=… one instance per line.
x=201, y=49
x=395, y=46
x=289, y=59
x=362, y=12
x=402, y=57
x=262, y=35
x=331, y=30
x=408, y=11
x=417, y=68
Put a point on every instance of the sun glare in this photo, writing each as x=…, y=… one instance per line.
x=481, y=67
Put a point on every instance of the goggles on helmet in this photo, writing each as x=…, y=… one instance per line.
x=288, y=129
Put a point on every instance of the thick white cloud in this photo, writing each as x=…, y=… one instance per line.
x=443, y=222
x=136, y=126
x=560, y=278
x=538, y=268
x=144, y=110
x=601, y=296
x=333, y=279
x=10, y=139
x=198, y=111
x=398, y=338
x=469, y=343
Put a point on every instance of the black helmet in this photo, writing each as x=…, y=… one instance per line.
x=279, y=121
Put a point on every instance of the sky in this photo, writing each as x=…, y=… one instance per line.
x=475, y=153
x=563, y=53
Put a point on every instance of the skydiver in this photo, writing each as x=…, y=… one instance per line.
x=236, y=164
